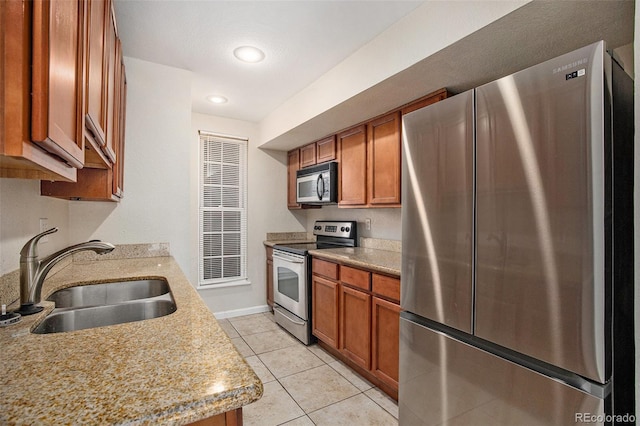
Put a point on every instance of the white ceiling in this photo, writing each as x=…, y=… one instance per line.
x=302, y=39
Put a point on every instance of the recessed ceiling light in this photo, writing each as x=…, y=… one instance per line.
x=249, y=54
x=216, y=99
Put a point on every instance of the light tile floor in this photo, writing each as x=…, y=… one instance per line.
x=303, y=385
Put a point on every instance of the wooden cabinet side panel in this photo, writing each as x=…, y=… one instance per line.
x=352, y=175
x=325, y=310
x=269, y=278
x=355, y=325
x=384, y=163
x=293, y=165
x=385, y=331
x=15, y=78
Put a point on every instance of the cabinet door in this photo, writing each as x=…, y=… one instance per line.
x=324, y=310
x=57, y=103
x=113, y=68
x=95, y=118
x=384, y=162
x=326, y=150
x=308, y=155
x=352, y=175
x=355, y=325
x=385, y=337
x=293, y=165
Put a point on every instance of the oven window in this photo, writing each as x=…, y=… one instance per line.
x=288, y=283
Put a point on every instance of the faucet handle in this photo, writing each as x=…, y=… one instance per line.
x=30, y=248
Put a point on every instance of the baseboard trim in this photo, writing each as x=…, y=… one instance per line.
x=240, y=312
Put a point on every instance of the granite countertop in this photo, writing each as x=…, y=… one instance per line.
x=170, y=370
x=383, y=261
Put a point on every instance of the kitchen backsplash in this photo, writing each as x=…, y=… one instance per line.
x=10, y=282
x=289, y=236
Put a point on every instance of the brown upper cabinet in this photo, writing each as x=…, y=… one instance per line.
x=308, y=155
x=384, y=161
x=369, y=158
x=113, y=60
x=57, y=79
x=56, y=148
x=318, y=152
x=370, y=164
x=104, y=121
x=61, y=85
x=314, y=153
x=352, y=169
x=326, y=150
x=96, y=78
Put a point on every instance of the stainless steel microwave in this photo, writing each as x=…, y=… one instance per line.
x=317, y=184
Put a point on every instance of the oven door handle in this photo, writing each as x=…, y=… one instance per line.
x=275, y=256
x=284, y=314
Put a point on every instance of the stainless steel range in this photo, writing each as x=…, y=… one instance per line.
x=292, y=275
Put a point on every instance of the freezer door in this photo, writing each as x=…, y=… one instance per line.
x=446, y=382
x=541, y=207
x=437, y=211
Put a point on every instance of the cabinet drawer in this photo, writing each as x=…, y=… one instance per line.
x=355, y=277
x=327, y=269
x=386, y=286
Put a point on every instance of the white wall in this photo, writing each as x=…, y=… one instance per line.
x=155, y=207
x=267, y=212
x=21, y=207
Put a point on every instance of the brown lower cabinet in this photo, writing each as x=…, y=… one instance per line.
x=325, y=299
x=355, y=325
x=385, y=340
x=356, y=317
x=230, y=418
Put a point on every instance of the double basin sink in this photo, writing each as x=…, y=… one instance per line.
x=99, y=305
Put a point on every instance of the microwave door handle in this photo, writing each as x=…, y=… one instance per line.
x=319, y=185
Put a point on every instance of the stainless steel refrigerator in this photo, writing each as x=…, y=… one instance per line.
x=517, y=241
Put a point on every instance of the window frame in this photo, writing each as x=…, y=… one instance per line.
x=242, y=278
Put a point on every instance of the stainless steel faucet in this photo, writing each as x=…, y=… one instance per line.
x=33, y=270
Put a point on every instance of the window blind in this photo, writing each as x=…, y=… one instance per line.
x=222, y=210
